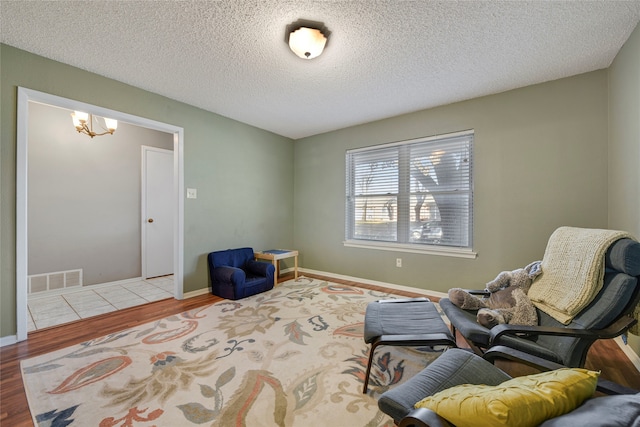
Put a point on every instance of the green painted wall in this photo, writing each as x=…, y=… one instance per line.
x=244, y=175
x=624, y=143
x=540, y=163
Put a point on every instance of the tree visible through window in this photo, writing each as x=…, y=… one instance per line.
x=412, y=192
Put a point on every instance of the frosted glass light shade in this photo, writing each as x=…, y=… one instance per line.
x=307, y=43
x=111, y=124
x=80, y=116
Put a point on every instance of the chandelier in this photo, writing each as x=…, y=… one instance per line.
x=84, y=124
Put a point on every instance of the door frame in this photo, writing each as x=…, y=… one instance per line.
x=29, y=95
x=143, y=204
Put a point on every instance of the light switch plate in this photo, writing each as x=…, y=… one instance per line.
x=192, y=193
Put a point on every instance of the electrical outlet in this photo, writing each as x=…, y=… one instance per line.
x=398, y=262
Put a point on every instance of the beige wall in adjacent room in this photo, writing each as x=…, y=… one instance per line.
x=84, y=198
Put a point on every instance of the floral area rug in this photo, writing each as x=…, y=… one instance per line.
x=292, y=356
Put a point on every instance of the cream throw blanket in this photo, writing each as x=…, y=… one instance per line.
x=572, y=271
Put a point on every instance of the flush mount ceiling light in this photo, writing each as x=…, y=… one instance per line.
x=84, y=124
x=307, y=39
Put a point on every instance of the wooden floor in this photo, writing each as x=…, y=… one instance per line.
x=14, y=410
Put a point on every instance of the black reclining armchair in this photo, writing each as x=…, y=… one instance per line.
x=457, y=367
x=609, y=315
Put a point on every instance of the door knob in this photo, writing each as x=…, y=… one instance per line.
x=150, y=220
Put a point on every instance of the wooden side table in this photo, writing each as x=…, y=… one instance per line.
x=275, y=255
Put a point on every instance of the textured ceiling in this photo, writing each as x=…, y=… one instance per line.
x=384, y=58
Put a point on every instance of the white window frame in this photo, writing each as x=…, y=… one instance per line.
x=402, y=241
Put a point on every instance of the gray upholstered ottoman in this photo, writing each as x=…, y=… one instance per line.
x=410, y=322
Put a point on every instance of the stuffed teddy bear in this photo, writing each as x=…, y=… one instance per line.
x=507, y=301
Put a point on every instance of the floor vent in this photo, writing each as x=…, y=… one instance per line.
x=39, y=283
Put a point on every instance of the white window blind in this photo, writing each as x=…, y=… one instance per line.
x=412, y=192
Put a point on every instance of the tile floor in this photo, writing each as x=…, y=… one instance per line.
x=46, y=311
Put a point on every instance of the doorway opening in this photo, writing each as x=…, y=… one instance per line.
x=27, y=96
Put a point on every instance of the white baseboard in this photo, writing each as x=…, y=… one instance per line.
x=633, y=357
x=196, y=293
x=8, y=340
x=375, y=283
x=342, y=277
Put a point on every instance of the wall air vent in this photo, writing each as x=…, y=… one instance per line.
x=39, y=283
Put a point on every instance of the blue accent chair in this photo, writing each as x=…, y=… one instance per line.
x=235, y=274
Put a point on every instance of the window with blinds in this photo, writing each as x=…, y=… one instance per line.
x=417, y=192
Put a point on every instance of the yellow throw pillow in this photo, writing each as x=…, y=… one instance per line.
x=522, y=401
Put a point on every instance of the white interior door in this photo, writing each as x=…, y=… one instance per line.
x=157, y=212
